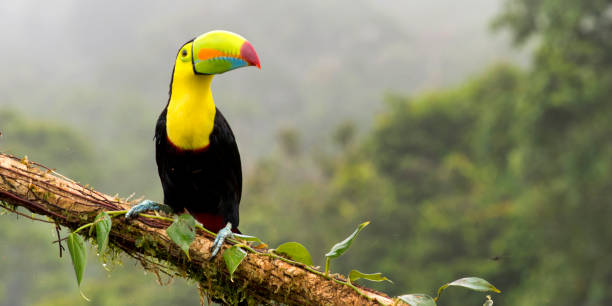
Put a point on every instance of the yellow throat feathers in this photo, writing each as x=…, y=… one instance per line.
x=191, y=111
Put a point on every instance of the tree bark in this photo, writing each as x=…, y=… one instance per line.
x=259, y=279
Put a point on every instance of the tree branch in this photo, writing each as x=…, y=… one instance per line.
x=260, y=278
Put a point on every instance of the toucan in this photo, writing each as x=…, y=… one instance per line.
x=195, y=149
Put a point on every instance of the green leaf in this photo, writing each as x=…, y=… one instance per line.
x=375, y=277
x=474, y=283
x=342, y=246
x=103, y=227
x=78, y=254
x=295, y=251
x=233, y=257
x=418, y=299
x=182, y=232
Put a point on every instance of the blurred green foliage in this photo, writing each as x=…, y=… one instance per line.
x=31, y=272
x=48, y=143
x=507, y=177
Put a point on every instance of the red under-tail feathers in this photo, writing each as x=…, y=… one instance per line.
x=213, y=223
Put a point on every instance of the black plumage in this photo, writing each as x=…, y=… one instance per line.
x=206, y=182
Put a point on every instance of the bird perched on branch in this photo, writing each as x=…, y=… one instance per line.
x=196, y=153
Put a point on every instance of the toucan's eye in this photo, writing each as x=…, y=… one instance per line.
x=185, y=55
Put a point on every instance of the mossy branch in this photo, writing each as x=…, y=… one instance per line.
x=260, y=278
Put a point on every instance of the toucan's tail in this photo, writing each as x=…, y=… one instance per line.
x=212, y=222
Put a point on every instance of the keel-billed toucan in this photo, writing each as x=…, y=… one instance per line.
x=196, y=153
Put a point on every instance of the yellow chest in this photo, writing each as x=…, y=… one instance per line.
x=191, y=111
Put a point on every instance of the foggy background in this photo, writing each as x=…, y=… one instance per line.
x=104, y=67
x=470, y=155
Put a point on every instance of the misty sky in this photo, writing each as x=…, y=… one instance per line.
x=90, y=63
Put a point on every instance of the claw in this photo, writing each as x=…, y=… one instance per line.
x=221, y=235
x=146, y=205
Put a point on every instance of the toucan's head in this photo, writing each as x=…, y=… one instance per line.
x=216, y=52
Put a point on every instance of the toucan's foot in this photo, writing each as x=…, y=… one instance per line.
x=221, y=235
x=147, y=205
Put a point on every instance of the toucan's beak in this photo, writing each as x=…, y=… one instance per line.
x=220, y=51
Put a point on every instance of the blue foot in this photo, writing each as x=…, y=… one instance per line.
x=147, y=205
x=221, y=235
